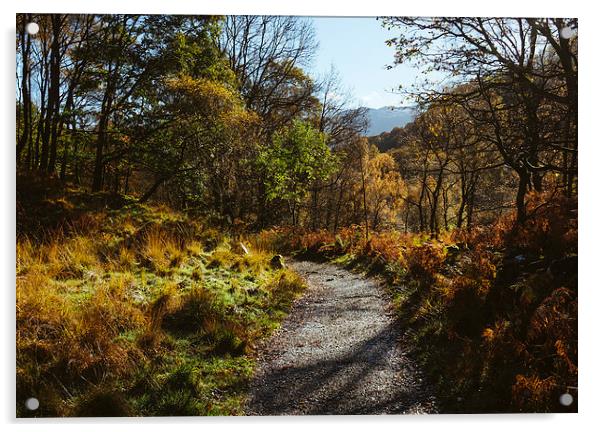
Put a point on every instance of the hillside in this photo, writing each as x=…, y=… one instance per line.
x=125, y=309
x=147, y=311
x=386, y=118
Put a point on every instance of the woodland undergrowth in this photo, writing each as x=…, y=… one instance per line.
x=491, y=313
x=132, y=310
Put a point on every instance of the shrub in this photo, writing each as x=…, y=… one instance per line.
x=532, y=393
x=424, y=262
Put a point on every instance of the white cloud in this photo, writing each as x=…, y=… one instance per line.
x=379, y=99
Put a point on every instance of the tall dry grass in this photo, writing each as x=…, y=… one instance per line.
x=118, y=315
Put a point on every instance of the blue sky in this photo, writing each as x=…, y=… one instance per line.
x=357, y=49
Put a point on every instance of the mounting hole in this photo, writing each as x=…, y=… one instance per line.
x=32, y=404
x=32, y=28
x=567, y=33
x=566, y=399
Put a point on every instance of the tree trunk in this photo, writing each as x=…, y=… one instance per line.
x=421, y=217
x=445, y=209
x=101, y=141
x=98, y=160
x=314, y=208
x=71, y=125
x=44, y=122
x=470, y=211
x=63, y=173
x=54, y=92
x=433, y=220
x=25, y=138
x=521, y=208
x=460, y=214
x=364, y=196
x=337, y=213
x=149, y=193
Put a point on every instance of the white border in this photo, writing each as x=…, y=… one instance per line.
x=589, y=187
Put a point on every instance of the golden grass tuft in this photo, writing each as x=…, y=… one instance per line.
x=63, y=340
x=165, y=302
x=195, y=248
x=126, y=259
x=162, y=250
x=222, y=256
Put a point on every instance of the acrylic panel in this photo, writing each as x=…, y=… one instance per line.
x=286, y=215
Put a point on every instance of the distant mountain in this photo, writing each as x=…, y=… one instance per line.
x=386, y=118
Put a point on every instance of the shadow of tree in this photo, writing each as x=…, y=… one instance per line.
x=351, y=383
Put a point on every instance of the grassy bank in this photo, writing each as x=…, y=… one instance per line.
x=125, y=309
x=491, y=313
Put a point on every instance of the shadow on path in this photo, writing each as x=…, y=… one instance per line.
x=314, y=367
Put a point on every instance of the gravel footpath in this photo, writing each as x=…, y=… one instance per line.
x=338, y=352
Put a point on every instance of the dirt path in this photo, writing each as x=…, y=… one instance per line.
x=338, y=352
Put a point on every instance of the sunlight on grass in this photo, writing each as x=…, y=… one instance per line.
x=143, y=319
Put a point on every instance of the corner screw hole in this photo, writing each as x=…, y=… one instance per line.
x=32, y=404
x=32, y=28
x=566, y=399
